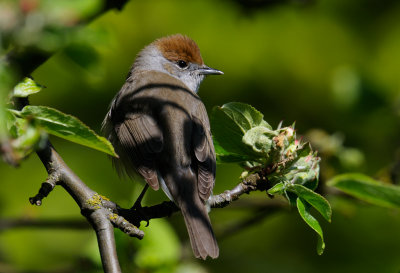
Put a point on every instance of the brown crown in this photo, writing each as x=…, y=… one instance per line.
x=179, y=47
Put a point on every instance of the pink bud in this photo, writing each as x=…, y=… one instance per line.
x=289, y=131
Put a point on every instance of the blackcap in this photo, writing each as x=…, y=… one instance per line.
x=160, y=129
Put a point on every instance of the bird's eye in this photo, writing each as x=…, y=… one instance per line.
x=182, y=64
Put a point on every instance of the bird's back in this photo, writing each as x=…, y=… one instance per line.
x=154, y=108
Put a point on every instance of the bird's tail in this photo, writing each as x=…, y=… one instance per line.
x=200, y=231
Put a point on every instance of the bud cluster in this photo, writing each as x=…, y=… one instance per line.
x=244, y=137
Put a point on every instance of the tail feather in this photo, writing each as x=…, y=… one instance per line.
x=200, y=232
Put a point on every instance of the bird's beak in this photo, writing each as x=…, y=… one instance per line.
x=205, y=70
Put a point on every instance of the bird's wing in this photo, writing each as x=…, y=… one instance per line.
x=204, y=152
x=141, y=140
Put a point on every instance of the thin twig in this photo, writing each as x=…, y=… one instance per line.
x=7, y=224
x=45, y=189
x=135, y=215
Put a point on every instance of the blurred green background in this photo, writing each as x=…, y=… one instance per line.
x=331, y=66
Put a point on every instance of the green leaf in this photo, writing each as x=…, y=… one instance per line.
x=11, y=121
x=367, y=189
x=244, y=115
x=291, y=197
x=224, y=156
x=314, y=199
x=67, y=127
x=226, y=132
x=26, y=87
x=230, y=123
x=277, y=188
x=304, y=211
x=25, y=135
x=259, y=138
x=30, y=137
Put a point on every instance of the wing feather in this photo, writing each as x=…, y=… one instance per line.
x=204, y=153
x=141, y=140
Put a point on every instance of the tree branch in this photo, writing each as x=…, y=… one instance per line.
x=87, y=200
x=105, y=238
x=137, y=214
x=103, y=214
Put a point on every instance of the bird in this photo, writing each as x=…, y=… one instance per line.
x=160, y=130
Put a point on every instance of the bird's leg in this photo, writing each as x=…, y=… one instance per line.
x=137, y=207
x=138, y=202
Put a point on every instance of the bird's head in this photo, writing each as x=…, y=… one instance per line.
x=178, y=56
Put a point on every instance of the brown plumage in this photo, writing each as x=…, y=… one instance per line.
x=160, y=129
x=178, y=47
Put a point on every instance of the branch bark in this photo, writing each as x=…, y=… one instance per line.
x=88, y=201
